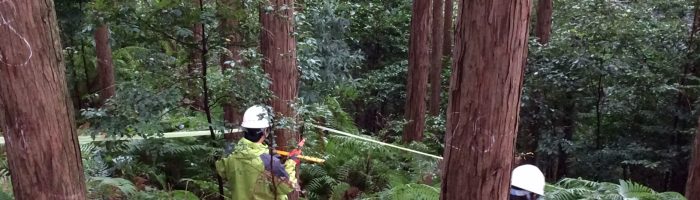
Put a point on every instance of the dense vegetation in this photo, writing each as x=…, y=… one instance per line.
x=608, y=108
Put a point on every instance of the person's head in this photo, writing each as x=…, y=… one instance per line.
x=256, y=121
x=526, y=183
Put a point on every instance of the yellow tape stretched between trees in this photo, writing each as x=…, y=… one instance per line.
x=88, y=139
x=374, y=141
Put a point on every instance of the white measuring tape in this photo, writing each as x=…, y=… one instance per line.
x=375, y=141
x=89, y=139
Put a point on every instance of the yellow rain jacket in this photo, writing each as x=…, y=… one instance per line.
x=250, y=174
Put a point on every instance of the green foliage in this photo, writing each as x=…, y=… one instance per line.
x=106, y=187
x=583, y=189
x=5, y=180
x=410, y=191
x=324, y=56
x=151, y=194
x=604, y=92
x=246, y=86
x=135, y=111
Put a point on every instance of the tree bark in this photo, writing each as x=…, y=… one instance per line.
x=105, y=69
x=692, y=188
x=194, y=68
x=684, y=104
x=35, y=110
x=447, y=33
x=436, y=58
x=543, y=29
x=278, y=47
x=418, y=65
x=233, y=40
x=485, y=88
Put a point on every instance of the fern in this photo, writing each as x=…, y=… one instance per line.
x=5, y=185
x=409, y=191
x=103, y=186
x=573, y=189
x=630, y=190
x=339, y=190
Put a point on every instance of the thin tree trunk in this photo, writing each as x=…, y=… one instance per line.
x=600, y=93
x=35, y=110
x=88, y=85
x=76, y=89
x=203, y=51
x=447, y=33
x=568, y=123
x=684, y=103
x=105, y=69
x=485, y=88
x=418, y=67
x=692, y=188
x=436, y=58
x=194, y=68
x=531, y=128
x=544, y=21
x=230, y=31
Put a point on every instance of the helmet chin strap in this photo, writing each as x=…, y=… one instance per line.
x=523, y=193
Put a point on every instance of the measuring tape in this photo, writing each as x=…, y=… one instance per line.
x=89, y=139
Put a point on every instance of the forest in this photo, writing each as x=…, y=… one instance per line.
x=384, y=99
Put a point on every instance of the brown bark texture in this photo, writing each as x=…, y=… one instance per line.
x=436, y=58
x=685, y=105
x=447, y=33
x=233, y=40
x=485, y=88
x=692, y=187
x=35, y=110
x=194, y=68
x=418, y=67
x=105, y=69
x=543, y=29
x=278, y=47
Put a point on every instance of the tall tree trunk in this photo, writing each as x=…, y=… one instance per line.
x=35, y=110
x=485, y=88
x=436, y=58
x=543, y=29
x=194, y=68
x=684, y=104
x=447, y=33
x=278, y=47
x=229, y=29
x=418, y=65
x=105, y=69
x=692, y=188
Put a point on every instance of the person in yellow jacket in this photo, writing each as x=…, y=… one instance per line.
x=252, y=173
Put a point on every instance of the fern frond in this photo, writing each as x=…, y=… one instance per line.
x=123, y=185
x=629, y=190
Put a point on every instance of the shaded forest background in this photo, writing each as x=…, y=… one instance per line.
x=610, y=90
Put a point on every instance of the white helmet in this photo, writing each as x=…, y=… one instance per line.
x=528, y=177
x=256, y=117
